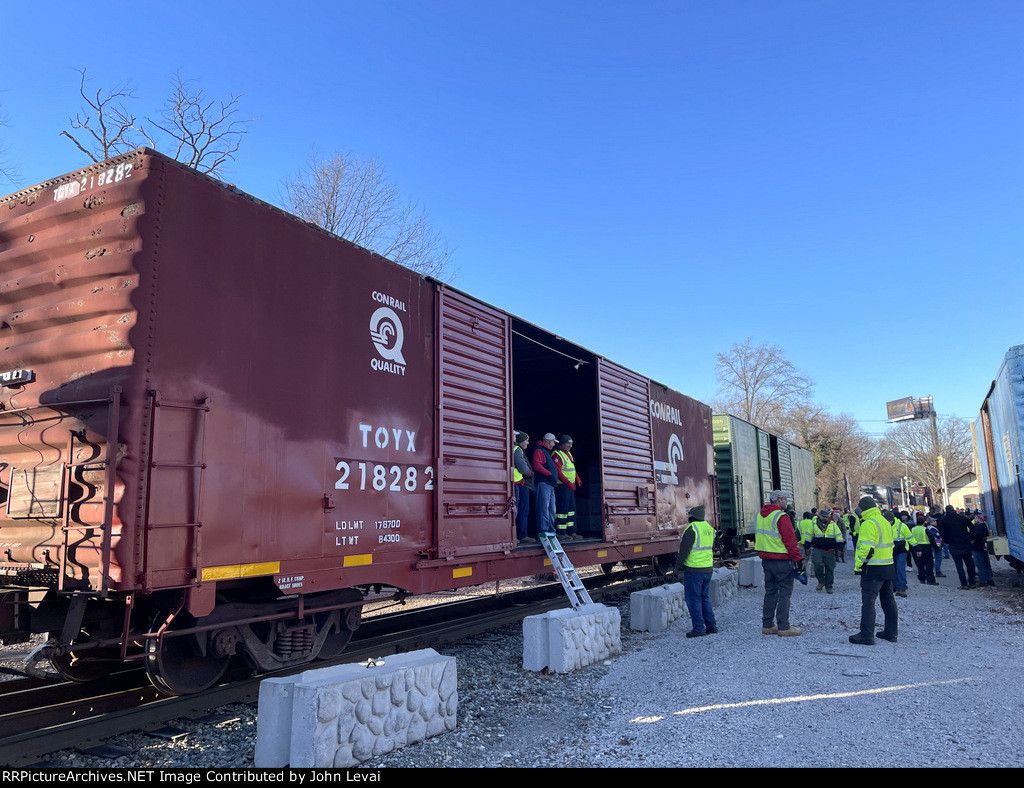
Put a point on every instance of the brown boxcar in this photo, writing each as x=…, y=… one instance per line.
x=219, y=426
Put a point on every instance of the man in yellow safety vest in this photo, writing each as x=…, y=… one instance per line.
x=776, y=545
x=877, y=572
x=565, y=492
x=696, y=559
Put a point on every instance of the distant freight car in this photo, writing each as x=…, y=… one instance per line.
x=751, y=462
x=219, y=426
x=999, y=433
x=885, y=496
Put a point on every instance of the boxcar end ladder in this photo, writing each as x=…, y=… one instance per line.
x=565, y=571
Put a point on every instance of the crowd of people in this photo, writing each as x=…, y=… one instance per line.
x=884, y=541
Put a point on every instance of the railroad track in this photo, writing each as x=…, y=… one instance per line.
x=39, y=717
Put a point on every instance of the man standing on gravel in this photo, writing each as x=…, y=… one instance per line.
x=877, y=572
x=776, y=544
x=696, y=560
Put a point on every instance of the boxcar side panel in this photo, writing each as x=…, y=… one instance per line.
x=684, y=459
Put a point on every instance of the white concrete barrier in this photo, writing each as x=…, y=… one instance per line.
x=751, y=573
x=724, y=585
x=653, y=609
x=343, y=715
x=565, y=640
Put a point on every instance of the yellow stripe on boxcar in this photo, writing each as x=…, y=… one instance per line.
x=235, y=571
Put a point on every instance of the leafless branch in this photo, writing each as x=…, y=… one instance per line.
x=353, y=198
x=758, y=383
x=206, y=133
x=104, y=127
x=8, y=172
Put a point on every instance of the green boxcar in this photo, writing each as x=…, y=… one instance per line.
x=751, y=462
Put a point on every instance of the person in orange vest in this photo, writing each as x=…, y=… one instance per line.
x=565, y=493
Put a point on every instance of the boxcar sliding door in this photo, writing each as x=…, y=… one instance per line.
x=627, y=452
x=474, y=432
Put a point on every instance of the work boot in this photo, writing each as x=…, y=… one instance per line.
x=693, y=633
x=940, y=574
x=792, y=632
x=828, y=590
x=883, y=636
x=712, y=630
x=901, y=593
x=820, y=586
x=772, y=630
x=862, y=640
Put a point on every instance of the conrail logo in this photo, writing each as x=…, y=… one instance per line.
x=387, y=335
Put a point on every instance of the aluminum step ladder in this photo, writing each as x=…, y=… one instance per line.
x=565, y=571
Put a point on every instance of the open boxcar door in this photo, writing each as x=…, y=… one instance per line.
x=474, y=432
x=627, y=452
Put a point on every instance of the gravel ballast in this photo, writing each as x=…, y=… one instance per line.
x=949, y=693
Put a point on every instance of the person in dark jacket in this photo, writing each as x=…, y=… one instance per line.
x=523, y=486
x=545, y=476
x=979, y=549
x=955, y=530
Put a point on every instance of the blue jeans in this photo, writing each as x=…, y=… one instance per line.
x=697, y=591
x=522, y=510
x=983, y=565
x=941, y=553
x=545, y=508
x=901, y=572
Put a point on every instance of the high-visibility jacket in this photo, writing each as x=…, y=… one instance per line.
x=564, y=460
x=901, y=532
x=806, y=528
x=701, y=555
x=875, y=538
x=516, y=475
x=920, y=534
x=830, y=531
x=767, y=538
x=853, y=523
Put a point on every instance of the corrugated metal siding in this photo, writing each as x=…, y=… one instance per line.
x=475, y=438
x=804, y=498
x=764, y=462
x=785, y=469
x=627, y=450
x=68, y=276
x=1006, y=416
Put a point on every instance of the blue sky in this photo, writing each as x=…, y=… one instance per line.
x=655, y=181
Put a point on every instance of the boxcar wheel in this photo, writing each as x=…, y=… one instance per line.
x=82, y=670
x=344, y=623
x=176, y=666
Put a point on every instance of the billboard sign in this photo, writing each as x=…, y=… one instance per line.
x=901, y=409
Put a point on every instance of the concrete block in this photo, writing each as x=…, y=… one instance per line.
x=653, y=609
x=573, y=638
x=751, y=573
x=724, y=585
x=343, y=715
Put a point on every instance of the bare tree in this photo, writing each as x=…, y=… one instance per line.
x=8, y=172
x=909, y=446
x=207, y=133
x=759, y=384
x=104, y=127
x=353, y=198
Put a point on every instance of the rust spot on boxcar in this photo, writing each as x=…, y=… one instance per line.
x=97, y=252
x=93, y=201
x=131, y=209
